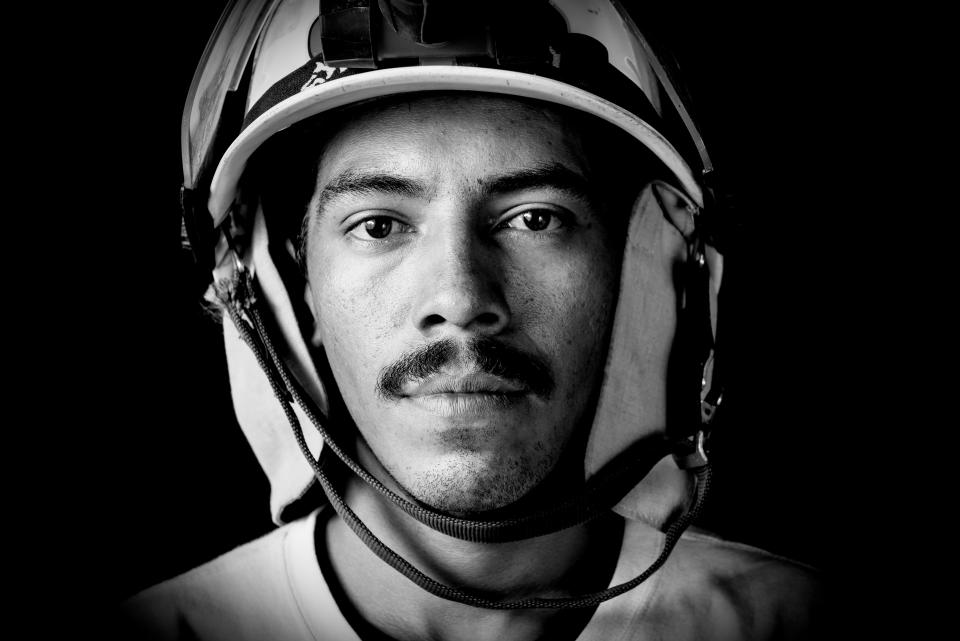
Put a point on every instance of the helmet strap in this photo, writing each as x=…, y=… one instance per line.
x=598, y=495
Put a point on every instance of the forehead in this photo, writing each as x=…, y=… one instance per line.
x=451, y=133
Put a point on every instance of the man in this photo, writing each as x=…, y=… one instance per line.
x=483, y=276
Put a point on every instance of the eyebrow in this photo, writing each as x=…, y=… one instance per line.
x=552, y=175
x=366, y=182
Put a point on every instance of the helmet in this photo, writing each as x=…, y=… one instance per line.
x=273, y=64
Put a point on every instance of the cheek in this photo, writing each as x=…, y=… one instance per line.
x=566, y=305
x=356, y=312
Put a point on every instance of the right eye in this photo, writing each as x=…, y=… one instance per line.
x=377, y=228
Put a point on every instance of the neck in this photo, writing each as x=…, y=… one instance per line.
x=567, y=563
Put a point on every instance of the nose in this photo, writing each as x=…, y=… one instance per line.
x=460, y=288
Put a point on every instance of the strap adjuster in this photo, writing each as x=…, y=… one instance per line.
x=691, y=452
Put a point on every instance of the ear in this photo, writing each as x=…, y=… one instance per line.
x=316, y=337
x=682, y=215
x=676, y=207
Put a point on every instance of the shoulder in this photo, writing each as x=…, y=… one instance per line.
x=741, y=563
x=744, y=590
x=235, y=596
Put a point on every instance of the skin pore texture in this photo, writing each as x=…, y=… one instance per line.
x=462, y=271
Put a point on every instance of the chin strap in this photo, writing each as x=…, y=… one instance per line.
x=599, y=494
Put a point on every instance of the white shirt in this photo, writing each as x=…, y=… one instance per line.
x=273, y=588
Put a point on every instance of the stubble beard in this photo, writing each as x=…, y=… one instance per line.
x=467, y=482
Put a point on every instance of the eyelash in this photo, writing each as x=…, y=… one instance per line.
x=562, y=220
x=362, y=224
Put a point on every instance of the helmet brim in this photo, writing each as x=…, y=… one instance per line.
x=390, y=82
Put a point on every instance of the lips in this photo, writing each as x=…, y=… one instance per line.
x=463, y=383
x=472, y=395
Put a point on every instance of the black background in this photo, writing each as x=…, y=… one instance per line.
x=175, y=483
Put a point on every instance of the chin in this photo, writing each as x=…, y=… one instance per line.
x=469, y=482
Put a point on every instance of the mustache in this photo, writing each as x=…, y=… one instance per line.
x=485, y=354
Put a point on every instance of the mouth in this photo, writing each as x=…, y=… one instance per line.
x=474, y=394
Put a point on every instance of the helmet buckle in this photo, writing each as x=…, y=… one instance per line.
x=691, y=452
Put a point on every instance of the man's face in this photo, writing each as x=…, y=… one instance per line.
x=463, y=276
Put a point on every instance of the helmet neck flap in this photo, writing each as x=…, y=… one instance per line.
x=635, y=463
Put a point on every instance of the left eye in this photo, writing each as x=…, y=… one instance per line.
x=534, y=220
x=377, y=228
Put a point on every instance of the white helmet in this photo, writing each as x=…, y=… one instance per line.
x=274, y=63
